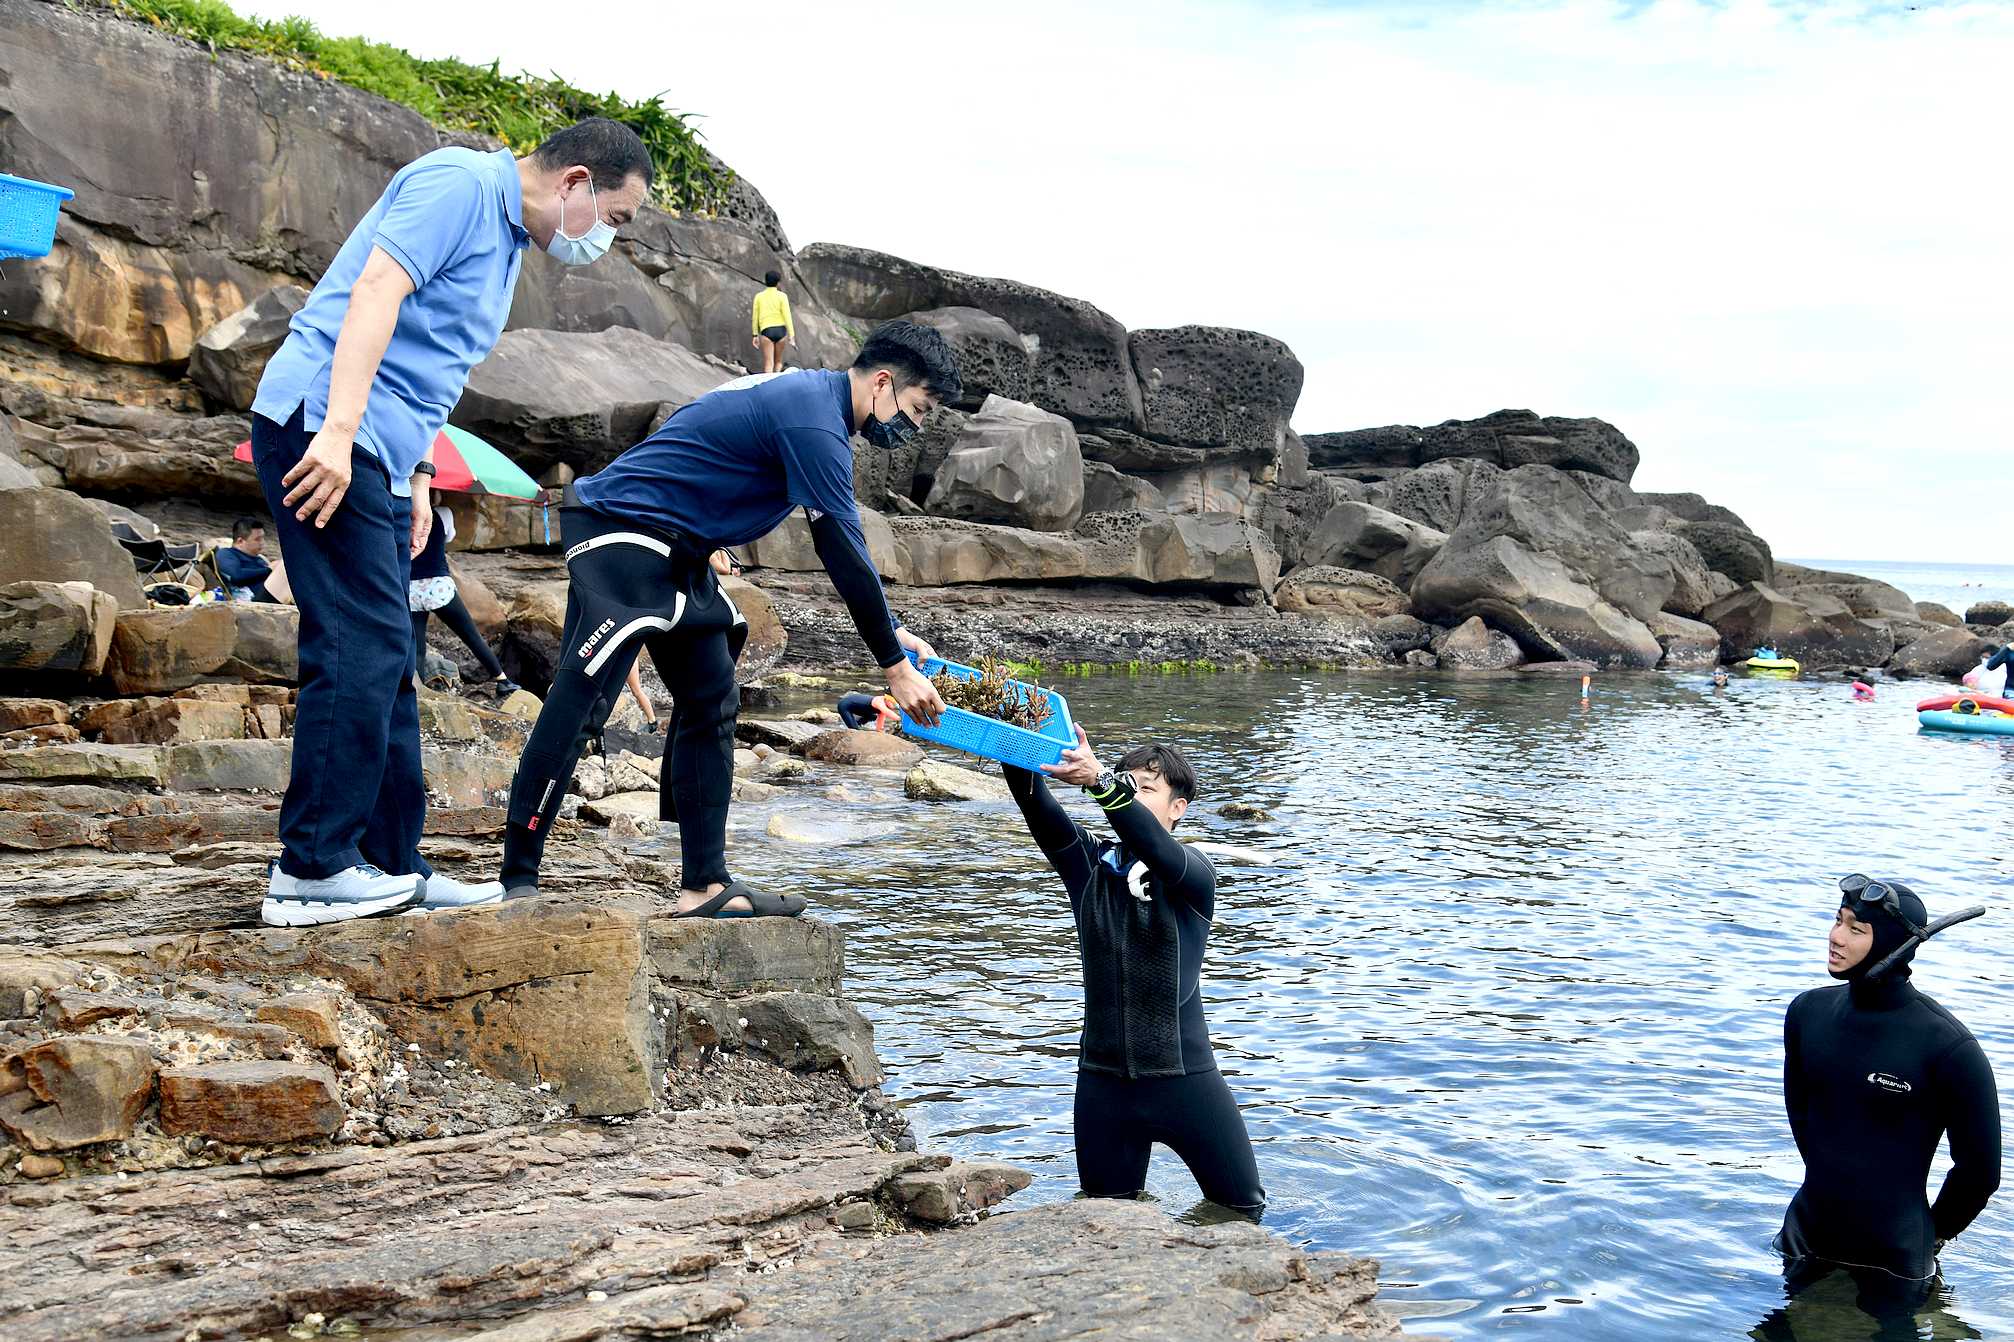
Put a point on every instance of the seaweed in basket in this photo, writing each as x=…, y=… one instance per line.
x=993, y=696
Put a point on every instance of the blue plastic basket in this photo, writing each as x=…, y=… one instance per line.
x=977, y=734
x=28, y=216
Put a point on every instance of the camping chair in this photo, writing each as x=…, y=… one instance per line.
x=212, y=575
x=159, y=561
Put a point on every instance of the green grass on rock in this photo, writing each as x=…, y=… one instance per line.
x=520, y=110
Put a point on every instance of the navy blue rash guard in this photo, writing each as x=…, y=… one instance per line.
x=728, y=468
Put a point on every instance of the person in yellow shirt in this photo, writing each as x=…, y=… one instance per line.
x=773, y=328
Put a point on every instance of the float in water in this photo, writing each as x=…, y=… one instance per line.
x=1988, y=703
x=1969, y=714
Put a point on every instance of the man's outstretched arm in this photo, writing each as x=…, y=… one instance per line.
x=818, y=467
x=1061, y=839
x=1183, y=874
x=842, y=548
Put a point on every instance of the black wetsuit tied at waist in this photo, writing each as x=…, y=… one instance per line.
x=1874, y=1075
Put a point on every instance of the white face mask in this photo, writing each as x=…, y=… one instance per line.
x=589, y=246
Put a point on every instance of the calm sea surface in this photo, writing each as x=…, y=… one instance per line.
x=1500, y=986
x=1955, y=585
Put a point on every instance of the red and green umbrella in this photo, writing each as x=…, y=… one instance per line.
x=465, y=464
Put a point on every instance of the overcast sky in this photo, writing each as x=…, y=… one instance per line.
x=1767, y=241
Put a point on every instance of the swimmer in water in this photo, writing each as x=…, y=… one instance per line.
x=1719, y=677
x=1875, y=1077
x=1143, y=903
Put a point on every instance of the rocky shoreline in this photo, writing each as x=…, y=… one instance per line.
x=576, y=1118
x=1148, y=484
x=573, y=1117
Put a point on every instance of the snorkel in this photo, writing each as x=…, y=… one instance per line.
x=1889, y=902
x=1918, y=935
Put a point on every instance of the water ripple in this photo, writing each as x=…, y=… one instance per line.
x=1504, y=1007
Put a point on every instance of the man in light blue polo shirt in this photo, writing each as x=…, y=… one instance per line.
x=342, y=436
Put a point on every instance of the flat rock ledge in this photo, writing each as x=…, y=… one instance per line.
x=733, y=1220
x=565, y=1119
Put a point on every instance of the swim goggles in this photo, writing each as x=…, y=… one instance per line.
x=1872, y=894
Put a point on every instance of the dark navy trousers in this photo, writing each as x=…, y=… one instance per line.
x=357, y=794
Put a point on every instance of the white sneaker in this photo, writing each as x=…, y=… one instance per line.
x=361, y=892
x=445, y=892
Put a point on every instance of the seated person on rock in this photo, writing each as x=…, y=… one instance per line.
x=242, y=564
x=1875, y=1076
x=722, y=471
x=1142, y=905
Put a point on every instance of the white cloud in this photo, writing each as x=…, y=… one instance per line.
x=1766, y=241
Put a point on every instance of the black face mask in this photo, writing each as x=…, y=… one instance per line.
x=888, y=433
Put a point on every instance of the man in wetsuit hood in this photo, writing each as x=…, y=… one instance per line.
x=1875, y=1074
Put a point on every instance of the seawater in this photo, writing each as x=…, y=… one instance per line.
x=1957, y=586
x=1500, y=986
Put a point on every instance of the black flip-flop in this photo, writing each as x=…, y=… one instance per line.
x=760, y=904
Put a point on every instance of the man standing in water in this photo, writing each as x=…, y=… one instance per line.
x=1145, y=1070
x=1874, y=1075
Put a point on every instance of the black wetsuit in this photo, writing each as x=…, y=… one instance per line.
x=857, y=709
x=723, y=470
x=432, y=562
x=1874, y=1075
x=1146, y=1072
x=631, y=584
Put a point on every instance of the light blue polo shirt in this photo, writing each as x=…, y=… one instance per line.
x=455, y=220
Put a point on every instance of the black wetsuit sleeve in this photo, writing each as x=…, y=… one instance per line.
x=2004, y=657
x=1183, y=874
x=1061, y=839
x=1973, y=1121
x=1793, y=1082
x=842, y=548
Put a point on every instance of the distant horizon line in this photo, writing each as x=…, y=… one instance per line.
x=1920, y=563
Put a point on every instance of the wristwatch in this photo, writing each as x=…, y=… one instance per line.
x=425, y=468
x=1114, y=790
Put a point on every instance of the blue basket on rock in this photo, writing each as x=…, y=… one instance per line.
x=977, y=734
x=28, y=216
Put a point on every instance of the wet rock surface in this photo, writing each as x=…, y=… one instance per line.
x=935, y=780
x=1103, y=625
x=237, y=1131
x=986, y=1282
